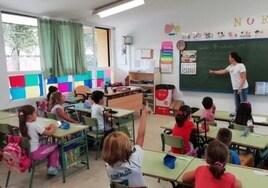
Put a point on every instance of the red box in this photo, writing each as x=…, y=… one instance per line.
x=163, y=99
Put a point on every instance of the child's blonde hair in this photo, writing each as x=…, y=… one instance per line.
x=55, y=98
x=116, y=147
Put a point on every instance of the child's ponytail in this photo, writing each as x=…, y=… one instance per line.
x=217, y=170
x=216, y=157
x=23, y=113
x=182, y=115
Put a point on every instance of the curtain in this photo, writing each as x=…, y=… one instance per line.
x=62, y=48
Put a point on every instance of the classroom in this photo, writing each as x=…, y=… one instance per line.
x=173, y=44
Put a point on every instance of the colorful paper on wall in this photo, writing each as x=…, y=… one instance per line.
x=166, y=57
x=25, y=86
x=100, y=74
x=100, y=82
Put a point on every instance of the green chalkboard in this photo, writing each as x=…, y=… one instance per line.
x=214, y=55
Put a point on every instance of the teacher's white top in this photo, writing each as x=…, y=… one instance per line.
x=235, y=71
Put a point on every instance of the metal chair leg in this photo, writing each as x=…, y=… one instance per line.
x=8, y=176
x=32, y=174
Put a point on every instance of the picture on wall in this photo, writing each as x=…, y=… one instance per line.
x=188, y=62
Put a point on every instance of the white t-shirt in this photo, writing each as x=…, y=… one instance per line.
x=53, y=110
x=97, y=112
x=129, y=173
x=34, y=129
x=235, y=71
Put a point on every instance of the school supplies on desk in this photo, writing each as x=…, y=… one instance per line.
x=169, y=161
x=63, y=125
x=245, y=132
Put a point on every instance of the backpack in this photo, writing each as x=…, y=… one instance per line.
x=14, y=157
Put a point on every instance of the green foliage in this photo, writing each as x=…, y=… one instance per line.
x=20, y=38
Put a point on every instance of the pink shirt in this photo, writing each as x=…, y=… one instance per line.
x=204, y=179
x=210, y=117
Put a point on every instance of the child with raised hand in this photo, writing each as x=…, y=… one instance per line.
x=209, y=111
x=56, y=101
x=32, y=130
x=224, y=135
x=124, y=161
x=213, y=175
x=183, y=128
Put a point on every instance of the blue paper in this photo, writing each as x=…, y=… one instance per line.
x=169, y=161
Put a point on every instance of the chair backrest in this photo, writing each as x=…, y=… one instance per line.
x=125, y=130
x=172, y=141
x=92, y=122
x=50, y=115
x=81, y=92
x=6, y=129
x=118, y=185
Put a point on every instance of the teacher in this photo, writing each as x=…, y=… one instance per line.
x=238, y=74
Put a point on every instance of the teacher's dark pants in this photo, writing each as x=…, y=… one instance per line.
x=242, y=97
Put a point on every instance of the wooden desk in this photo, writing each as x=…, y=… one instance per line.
x=129, y=100
x=225, y=116
x=61, y=134
x=4, y=115
x=246, y=175
x=153, y=166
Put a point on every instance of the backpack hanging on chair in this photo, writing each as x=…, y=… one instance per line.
x=14, y=157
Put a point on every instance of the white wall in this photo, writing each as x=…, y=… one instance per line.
x=191, y=16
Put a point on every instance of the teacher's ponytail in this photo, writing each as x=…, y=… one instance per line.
x=236, y=57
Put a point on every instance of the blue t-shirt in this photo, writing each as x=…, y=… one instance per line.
x=235, y=158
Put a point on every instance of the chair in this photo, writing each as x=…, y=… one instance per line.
x=50, y=115
x=172, y=141
x=82, y=92
x=25, y=145
x=125, y=130
x=94, y=135
x=118, y=185
x=5, y=129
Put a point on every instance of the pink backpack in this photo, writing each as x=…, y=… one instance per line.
x=14, y=157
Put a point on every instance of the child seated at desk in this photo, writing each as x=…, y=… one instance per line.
x=124, y=162
x=44, y=104
x=56, y=101
x=243, y=114
x=213, y=175
x=98, y=112
x=32, y=130
x=224, y=135
x=183, y=128
x=209, y=111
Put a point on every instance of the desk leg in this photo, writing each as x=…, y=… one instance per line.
x=63, y=167
x=85, y=135
x=133, y=127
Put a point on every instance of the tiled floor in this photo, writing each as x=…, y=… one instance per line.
x=96, y=176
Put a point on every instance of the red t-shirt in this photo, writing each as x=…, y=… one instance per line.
x=184, y=132
x=204, y=179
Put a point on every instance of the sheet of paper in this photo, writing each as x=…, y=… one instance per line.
x=259, y=119
x=261, y=173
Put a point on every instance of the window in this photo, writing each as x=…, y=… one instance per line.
x=21, y=43
x=97, y=50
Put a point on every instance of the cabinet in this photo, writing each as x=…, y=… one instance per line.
x=147, y=82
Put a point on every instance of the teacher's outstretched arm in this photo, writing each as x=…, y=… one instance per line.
x=223, y=71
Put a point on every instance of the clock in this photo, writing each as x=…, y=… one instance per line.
x=181, y=45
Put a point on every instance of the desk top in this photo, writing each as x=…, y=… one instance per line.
x=225, y=116
x=252, y=140
x=120, y=112
x=246, y=175
x=4, y=115
x=153, y=165
x=60, y=133
x=71, y=99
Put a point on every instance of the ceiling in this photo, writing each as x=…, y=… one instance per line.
x=82, y=9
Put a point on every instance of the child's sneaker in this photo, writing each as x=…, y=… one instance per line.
x=53, y=171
